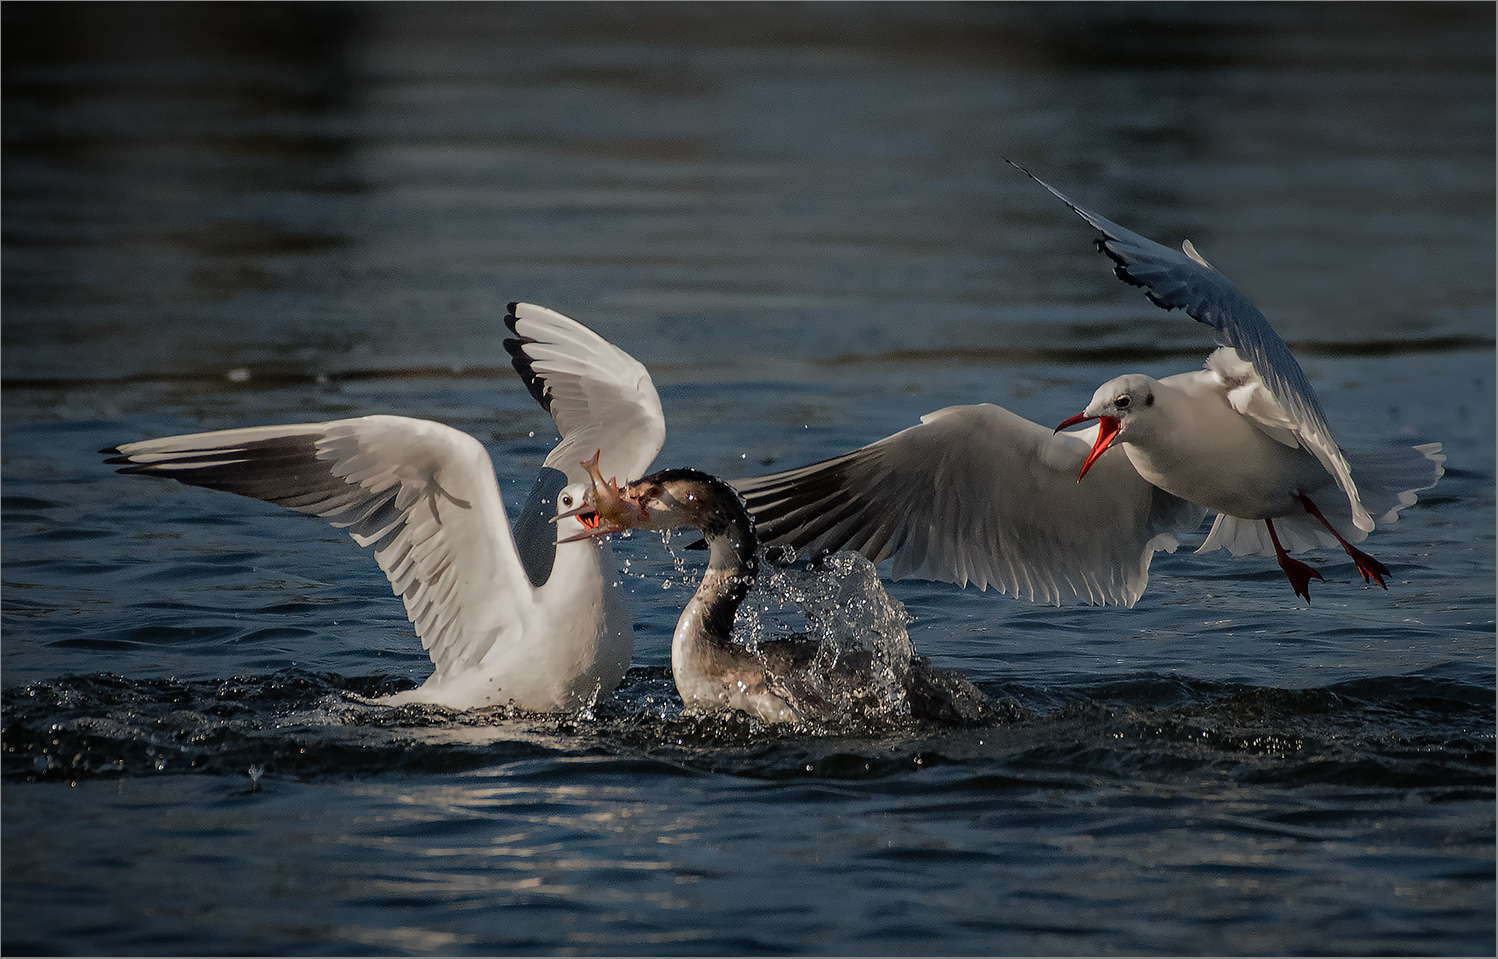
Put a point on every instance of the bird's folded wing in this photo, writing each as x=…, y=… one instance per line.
x=422, y=494
x=976, y=494
x=1182, y=279
x=602, y=399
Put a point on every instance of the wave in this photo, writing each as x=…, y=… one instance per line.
x=1407, y=732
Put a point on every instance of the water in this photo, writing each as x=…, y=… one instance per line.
x=800, y=219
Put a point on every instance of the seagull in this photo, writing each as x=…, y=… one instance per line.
x=508, y=615
x=979, y=494
x=781, y=680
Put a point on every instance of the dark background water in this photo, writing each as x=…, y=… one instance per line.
x=800, y=219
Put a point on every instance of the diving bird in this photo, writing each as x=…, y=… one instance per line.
x=978, y=494
x=508, y=615
x=787, y=679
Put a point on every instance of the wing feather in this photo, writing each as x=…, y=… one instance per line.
x=423, y=494
x=977, y=494
x=602, y=399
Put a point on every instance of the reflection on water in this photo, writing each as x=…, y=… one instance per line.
x=362, y=185
x=799, y=217
x=509, y=823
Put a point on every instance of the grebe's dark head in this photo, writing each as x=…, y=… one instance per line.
x=667, y=500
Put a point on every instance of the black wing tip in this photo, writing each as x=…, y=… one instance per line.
x=534, y=382
x=522, y=361
x=515, y=346
x=1122, y=272
x=512, y=317
x=127, y=465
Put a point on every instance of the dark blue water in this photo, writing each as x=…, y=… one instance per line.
x=800, y=219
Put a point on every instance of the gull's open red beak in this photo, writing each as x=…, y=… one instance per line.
x=585, y=513
x=605, y=509
x=1107, y=432
x=595, y=528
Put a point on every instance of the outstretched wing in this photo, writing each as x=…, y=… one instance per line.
x=601, y=398
x=422, y=494
x=1184, y=280
x=977, y=494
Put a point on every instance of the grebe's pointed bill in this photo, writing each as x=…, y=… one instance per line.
x=1106, y=434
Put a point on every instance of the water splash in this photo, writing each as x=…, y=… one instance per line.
x=1415, y=732
x=864, y=655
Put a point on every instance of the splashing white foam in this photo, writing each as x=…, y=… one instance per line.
x=865, y=652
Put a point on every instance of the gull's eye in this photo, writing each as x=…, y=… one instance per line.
x=1122, y=402
x=567, y=500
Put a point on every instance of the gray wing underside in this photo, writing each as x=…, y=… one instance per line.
x=977, y=494
x=278, y=465
x=422, y=494
x=535, y=533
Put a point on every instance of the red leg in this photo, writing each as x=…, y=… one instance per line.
x=1297, y=572
x=1371, y=568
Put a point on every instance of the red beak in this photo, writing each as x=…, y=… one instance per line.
x=1079, y=418
x=1107, y=432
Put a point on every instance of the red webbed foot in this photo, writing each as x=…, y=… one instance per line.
x=1300, y=576
x=1373, y=571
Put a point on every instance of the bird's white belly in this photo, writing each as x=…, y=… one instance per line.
x=1235, y=470
x=713, y=682
x=571, y=646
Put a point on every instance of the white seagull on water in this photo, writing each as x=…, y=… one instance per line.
x=507, y=618
x=978, y=494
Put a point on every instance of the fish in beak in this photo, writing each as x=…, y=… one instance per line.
x=605, y=509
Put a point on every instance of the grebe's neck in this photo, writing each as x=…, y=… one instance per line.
x=709, y=667
x=732, y=567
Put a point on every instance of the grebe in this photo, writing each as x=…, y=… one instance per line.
x=780, y=680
